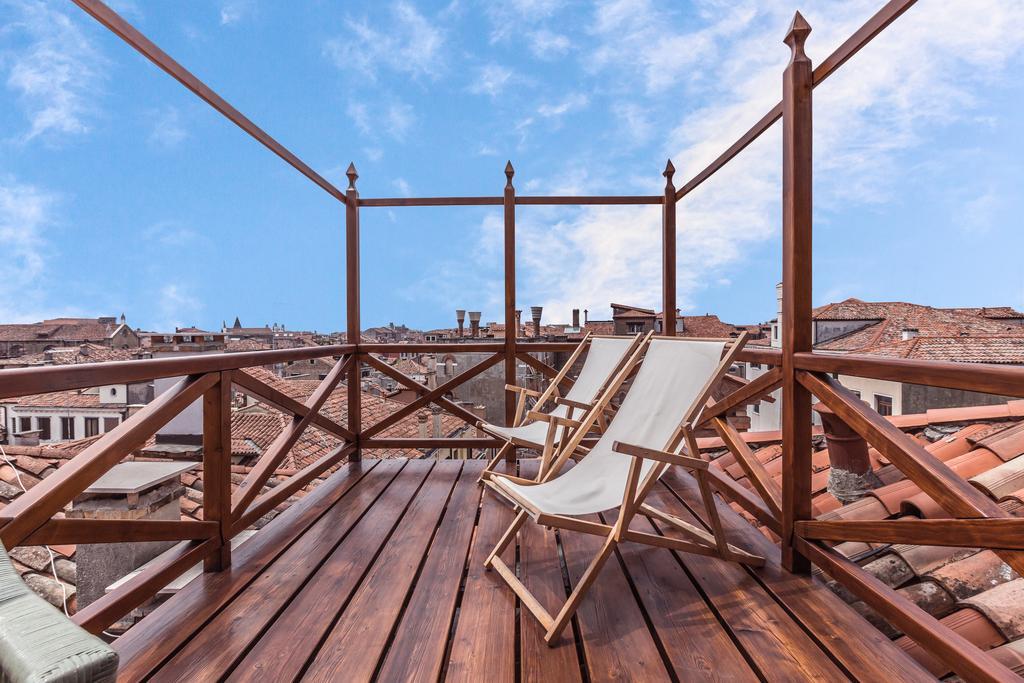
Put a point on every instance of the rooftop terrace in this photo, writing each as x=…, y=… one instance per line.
x=377, y=573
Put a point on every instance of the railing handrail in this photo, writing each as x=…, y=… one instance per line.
x=17, y=382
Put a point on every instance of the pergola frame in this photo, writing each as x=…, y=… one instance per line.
x=802, y=374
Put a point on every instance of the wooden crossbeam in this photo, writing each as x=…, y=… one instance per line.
x=100, y=614
x=935, y=478
x=995, y=534
x=878, y=22
x=564, y=384
x=435, y=396
x=277, y=495
x=963, y=656
x=32, y=509
x=68, y=531
x=768, y=488
x=129, y=34
x=269, y=461
x=262, y=391
x=748, y=393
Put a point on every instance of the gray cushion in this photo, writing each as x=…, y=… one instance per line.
x=39, y=643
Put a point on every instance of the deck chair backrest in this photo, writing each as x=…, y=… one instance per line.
x=672, y=376
x=603, y=358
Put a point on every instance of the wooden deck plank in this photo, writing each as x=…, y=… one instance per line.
x=863, y=650
x=417, y=651
x=483, y=648
x=540, y=569
x=354, y=645
x=697, y=645
x=147, y=644
x=278, y=654
x=616, y=640
x=224, y=640
x=776, y=645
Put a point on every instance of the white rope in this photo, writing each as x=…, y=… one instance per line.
x=53, y=561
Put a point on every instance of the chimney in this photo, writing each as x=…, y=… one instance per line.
x=519, y=322
x=421, y=427
x=474, y=324
x=435, y=414
x=586, y=316
x=481, y=413
x=776, y=340
x=460, y=317
x=909, y=333
x=535, y=312
x=575, y=318
x=850, y=476
x=134, y=490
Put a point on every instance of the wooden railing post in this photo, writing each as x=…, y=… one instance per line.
x=353, y=329
x=797, y=82
x=217, y=467
x=668, y=253
x=510, y=292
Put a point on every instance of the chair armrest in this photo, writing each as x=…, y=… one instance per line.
x=547, y=417
x=562, y=401
x=522, y=390
x=39, y=643
x=660, y=456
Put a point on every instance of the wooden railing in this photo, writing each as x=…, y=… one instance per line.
x=800, y=373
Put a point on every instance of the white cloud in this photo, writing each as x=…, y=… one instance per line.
x=168, y=130
x=56, y=72
x=546, y=44
x=399, y=119
x=234, y=11
x=510, y=18
x=409, y=43
x=402, y=185
x=177, y=306
x=922, y=74
x=571, y=102
x=395, y=119
x=25, y=216
x=171, y=233
x=491, y=80
x=978, y=215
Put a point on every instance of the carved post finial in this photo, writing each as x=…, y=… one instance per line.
x=669, y=171
x=509, y=172
x=352, y=175
x=797, y=35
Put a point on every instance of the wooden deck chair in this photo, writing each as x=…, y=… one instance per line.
x=642, y=441
x=605, y=357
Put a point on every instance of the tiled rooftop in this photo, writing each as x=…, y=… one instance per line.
x=971, y=590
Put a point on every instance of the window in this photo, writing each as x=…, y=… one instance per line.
x=67, y=427
x=755, y=366
x=855, y=393
x=110, y=424
x=186, y=338
x=208, y=337
x=113, y=391
x=634, y=328
x=92, y=426
x=312, y=361
x=168, y=339
x=44, y=428
x=883, y=404
x=757, y=408
x=26, y=424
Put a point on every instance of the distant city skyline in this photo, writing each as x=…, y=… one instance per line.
x=121, y=192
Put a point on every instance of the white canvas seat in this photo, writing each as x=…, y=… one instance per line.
x=671, y=376
x=644, y=439
x=605, y=355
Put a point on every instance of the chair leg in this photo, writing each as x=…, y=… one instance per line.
x=573, y=603
x=506, y=538
x=489, y=470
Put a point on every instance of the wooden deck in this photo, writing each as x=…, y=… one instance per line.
x=377, y=575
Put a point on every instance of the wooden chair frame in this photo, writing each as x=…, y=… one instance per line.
x=552, y=396
x=696, y=541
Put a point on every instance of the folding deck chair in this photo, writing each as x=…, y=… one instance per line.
x=673, y=385
x=605, y=357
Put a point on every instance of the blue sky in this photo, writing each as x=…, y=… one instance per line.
x=121, y=191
